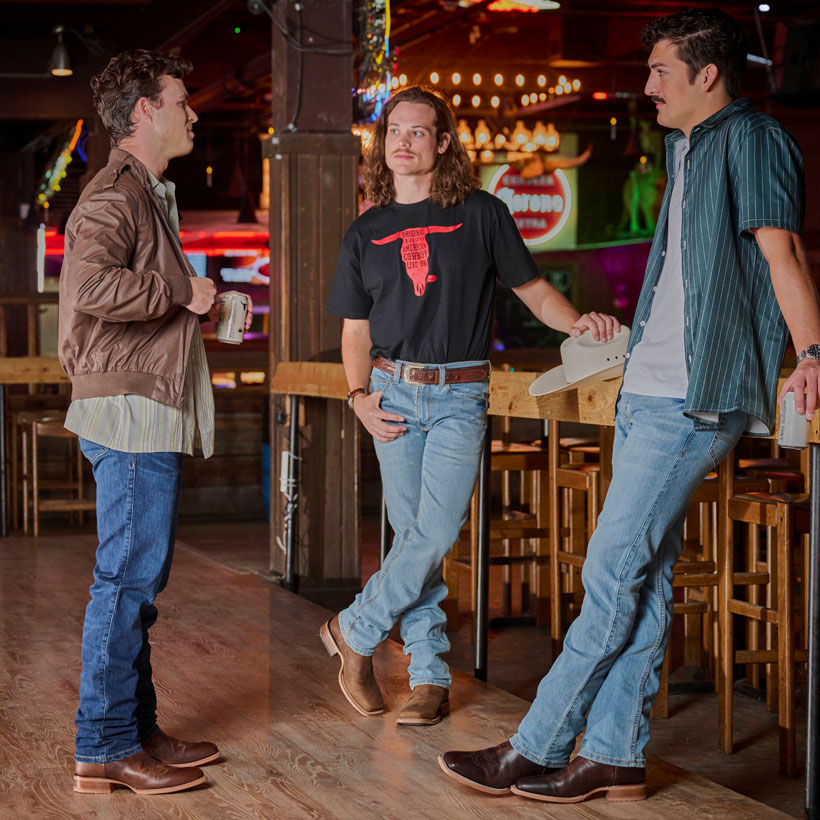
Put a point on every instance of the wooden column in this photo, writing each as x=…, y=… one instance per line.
x=313, y=183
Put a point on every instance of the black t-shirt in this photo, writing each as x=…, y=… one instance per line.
x=425, y=276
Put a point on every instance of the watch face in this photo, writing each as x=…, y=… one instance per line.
x=811, y=352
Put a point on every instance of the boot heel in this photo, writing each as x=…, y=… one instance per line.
x=327, y=639
x=623, y=794
x=92, y=785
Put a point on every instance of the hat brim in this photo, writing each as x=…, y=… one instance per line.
x=554, y=381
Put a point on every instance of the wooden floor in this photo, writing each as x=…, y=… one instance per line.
x=238, y=661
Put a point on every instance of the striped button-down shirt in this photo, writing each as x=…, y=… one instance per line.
x=136, y=424
x=743, y=171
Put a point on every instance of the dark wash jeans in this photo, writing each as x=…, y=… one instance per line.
x=137, y=508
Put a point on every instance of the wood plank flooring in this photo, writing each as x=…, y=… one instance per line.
x=238, y=661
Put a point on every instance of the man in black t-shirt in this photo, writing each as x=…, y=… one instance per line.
x=415, y=284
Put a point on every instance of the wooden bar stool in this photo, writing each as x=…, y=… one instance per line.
x=571, y=525
x=28, y=410
x=24, y=422
x=772, y=571
x=695, y=573
x=525, y=522
x=76, y=502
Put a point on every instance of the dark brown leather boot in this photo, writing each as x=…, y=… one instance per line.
x=356, y=678
x=141, y=773
x=179, y=753
x=491, y=770
x=427, y=705
x=583, y=778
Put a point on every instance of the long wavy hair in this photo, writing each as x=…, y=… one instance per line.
x=453, y=176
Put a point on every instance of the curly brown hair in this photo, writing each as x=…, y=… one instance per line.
x=127, y=78
x=453, y=176
x=704, y=36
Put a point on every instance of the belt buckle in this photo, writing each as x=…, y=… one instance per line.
x=405, y=372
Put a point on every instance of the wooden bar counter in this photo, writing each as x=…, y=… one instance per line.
x=509, y=396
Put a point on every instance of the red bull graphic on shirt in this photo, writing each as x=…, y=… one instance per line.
x=415, y=252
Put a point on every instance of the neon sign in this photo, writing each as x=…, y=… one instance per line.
x=540, y=205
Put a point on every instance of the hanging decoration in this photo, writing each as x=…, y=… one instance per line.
x=56, y=171
x=377, y=63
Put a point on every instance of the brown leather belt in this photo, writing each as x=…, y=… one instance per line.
x=421, y=374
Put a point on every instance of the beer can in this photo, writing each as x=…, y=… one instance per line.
x=794, y=429
x=231, y=326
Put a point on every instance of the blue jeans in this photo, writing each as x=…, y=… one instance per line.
x=137, y=506
x=428, y=475
x=613, y=652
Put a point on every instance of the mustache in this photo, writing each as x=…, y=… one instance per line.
x=658, y=100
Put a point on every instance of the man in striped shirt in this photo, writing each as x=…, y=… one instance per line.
x=727, y=278
x=130, y=341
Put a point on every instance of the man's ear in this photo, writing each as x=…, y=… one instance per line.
x=443, y=143
x=143, y=110
x=709, y=77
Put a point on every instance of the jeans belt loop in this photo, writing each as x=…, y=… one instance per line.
x=442, y=375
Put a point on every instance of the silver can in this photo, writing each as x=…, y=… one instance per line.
x=794, y=429
x=231, y=327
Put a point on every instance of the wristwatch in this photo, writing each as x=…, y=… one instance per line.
x=353, y=393
x=811, y=352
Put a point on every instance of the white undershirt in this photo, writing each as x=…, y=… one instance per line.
x=657, y=364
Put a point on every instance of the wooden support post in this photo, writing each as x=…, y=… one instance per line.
x=313, y=183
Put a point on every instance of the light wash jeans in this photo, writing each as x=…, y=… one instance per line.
x=137, y=506
x=428, y=475
x=613, y=651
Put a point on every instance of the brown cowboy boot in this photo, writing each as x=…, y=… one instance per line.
x=141, y=773
x=583, y=778
x=179, y=753
x=427, y=705
x=356, y=678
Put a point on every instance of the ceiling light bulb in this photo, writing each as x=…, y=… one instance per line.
x=60, y=63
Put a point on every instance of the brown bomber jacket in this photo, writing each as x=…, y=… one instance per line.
x=122, y=327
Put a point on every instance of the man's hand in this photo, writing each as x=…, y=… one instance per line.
x=805, y=382
x=216, y=310
x=203, y=291
x=375, y=420
x=602, y=326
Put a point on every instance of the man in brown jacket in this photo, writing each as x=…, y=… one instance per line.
x=130, y=341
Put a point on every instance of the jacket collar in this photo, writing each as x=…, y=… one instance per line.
x=118, y=160
x=740, y=104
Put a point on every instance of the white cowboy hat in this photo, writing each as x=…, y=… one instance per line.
x=584, y=360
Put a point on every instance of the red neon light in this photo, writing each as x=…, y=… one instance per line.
x=599, y=95
x=239, y=235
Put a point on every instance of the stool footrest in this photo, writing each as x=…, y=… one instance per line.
x=766, y=656
x=66, y=505
x=695, y=579
x=571, y=558
x=747, y=610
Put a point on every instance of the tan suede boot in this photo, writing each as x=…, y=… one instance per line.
x=356, y=678
x=427, y=705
